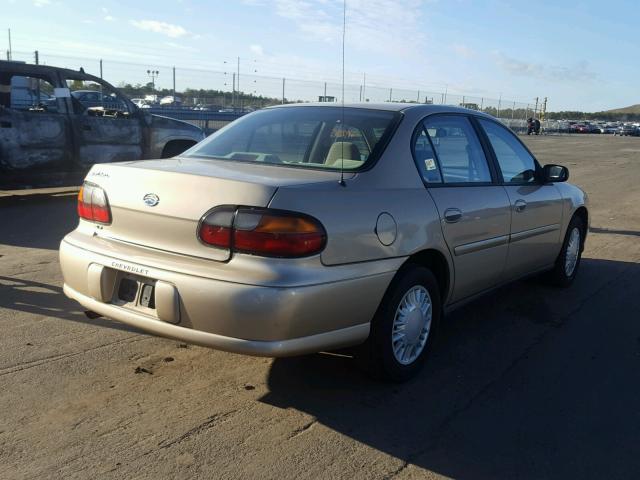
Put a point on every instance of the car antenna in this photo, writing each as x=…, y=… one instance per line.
x=344, y=28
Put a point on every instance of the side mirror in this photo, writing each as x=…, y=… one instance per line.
x=555, y=173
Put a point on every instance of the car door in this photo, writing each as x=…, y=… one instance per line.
x=34, y=128
x=536, y=207
x=473, y=209
x=106, y=127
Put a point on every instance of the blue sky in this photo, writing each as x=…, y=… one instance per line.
x=582, y=55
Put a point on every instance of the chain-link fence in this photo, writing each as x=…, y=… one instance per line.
x=179, y=89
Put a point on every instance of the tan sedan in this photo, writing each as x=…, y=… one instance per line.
x=304, y=228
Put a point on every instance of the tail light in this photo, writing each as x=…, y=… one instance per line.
x=93, y=204
x=262, y=231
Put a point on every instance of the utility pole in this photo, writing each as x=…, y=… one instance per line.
x=283, y=91
x=444, y=99
x=100, y=68
x=418, y=96
x=233, y=95
x=174, y=84
x=390, y=93
x=499, y=104
x=37, y=57
x=535, y=110
x=364, y=87
x=10, y=51
x=513, y=110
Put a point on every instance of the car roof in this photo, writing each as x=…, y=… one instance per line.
x=390, y=106
x=27, y=68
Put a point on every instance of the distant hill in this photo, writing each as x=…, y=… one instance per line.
x=633, y=109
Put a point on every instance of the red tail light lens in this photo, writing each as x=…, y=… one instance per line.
x=265, y=232
x=93, y=204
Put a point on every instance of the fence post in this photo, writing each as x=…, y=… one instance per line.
x=283, y=81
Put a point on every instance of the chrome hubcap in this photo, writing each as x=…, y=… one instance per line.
x=571, y=255
x=411, y=325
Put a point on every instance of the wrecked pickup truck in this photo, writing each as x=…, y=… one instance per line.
x=55, y=123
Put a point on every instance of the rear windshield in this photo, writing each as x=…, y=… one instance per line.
x=312, y=137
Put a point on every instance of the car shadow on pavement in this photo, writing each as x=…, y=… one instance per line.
x=527, y=382
x=47, y=300
x=38, y=220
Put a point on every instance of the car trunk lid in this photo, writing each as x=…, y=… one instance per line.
x=158, y=204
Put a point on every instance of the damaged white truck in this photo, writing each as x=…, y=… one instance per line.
x=55, y=123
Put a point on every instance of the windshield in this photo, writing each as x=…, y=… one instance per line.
x=312, y=137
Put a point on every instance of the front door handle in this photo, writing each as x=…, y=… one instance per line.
x=452, y=215
x=520, y=205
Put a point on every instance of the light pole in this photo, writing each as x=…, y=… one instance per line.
x=153, y=74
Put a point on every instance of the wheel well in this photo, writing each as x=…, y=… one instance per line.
x=437, y=263
x=584, y=216
x=176, y=147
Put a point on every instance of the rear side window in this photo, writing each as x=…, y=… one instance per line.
x=516, y=163
x=28, y=93
x=458, y=158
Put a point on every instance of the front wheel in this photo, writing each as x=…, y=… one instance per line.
x=403, y=327
x=568, y=261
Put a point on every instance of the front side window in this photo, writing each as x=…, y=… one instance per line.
x=516, y=163
x=313, y=137
x=96, y=99
x=458, y=150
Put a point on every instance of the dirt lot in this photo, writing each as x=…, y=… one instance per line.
x=529, y=382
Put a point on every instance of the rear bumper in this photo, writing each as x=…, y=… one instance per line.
x=234, y=317
x=282, y=348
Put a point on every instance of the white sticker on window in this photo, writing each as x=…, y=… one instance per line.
x=430, y=163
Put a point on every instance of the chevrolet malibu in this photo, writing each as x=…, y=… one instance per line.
x=307, y=228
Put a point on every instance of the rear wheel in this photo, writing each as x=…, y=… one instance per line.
x=403, y=327
x=568, y=261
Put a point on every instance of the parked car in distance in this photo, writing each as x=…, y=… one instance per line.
x=307, y=228
x=608, y=129
x=84, y=120
x=628, y=130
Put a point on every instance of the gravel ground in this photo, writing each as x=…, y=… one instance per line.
x=527, y=382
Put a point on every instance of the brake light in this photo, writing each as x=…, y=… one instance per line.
x=261, y=231
x=93, y=204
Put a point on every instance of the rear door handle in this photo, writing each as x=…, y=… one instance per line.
x=452, y=215
x=520, y=205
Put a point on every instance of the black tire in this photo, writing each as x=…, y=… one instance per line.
x=377, y=356
x=559, y=276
